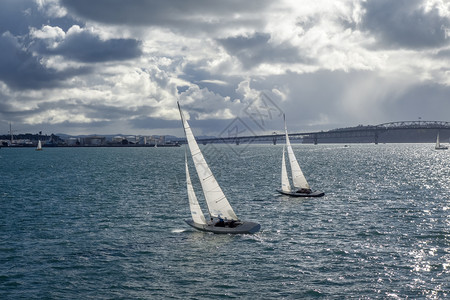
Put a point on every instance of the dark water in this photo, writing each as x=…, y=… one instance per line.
x=108, y=224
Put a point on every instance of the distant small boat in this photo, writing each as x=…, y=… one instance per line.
x=222, y=217
x=301, y=186
x=438, y=144
x=39, y=146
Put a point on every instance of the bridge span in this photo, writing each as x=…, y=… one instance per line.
x=402, y=131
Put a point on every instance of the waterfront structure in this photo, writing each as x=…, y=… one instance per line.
x=94, y=140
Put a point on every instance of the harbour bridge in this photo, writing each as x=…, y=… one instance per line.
x=368, y=133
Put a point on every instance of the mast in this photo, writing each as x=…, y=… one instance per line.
x=10, y=131
x=437, y=141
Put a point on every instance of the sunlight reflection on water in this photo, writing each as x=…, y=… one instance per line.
x=109, y=223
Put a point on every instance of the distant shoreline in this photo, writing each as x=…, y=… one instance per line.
x=93, y=146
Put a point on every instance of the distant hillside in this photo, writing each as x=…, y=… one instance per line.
x=390, y=136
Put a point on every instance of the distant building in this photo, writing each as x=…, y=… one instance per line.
x=151, y=140
x=159, y=140
x=133, y=139
x=73, y=141
x=93, y=141
x=117, y=139
x=142, y=140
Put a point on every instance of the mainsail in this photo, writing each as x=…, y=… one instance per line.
x=298, y=178
x=285, y=186
x=218, y=204
x=196, y=211
x=438, y=144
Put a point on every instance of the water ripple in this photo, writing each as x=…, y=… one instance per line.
x=108, y=223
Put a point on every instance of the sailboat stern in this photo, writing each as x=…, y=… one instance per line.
x=313, y=194
x=241, y=227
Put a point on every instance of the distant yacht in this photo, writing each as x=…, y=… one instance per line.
x=222, y=217
x=39, y=146
x=438, y=144
x=301, y=186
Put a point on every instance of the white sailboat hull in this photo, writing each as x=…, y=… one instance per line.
x=241, y=227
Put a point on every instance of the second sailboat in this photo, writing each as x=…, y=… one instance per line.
x=301, y=187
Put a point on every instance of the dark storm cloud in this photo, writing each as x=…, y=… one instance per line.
x=91, y=110
x=17, y=15
x=256, y=49
x=177, y=14
x=21, y=54
x=201, y=76
x=428, y=101
x=86, y=47
x=404, y=23
x=425, y=99
x=19, y=68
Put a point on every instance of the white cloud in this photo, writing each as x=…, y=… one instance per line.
x=47, y=32
x=51, y=8
x=345, y=62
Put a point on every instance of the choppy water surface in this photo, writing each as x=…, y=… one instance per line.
x=107, y=223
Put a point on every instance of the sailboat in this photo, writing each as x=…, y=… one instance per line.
x=301, y=186
x=438, y=144
x=39, y=146
x=222, y=216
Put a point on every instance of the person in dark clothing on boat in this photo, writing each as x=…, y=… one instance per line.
x=232, y=224
x=304, y=191
x=220, y=223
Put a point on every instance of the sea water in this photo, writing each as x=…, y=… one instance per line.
x=107, y=223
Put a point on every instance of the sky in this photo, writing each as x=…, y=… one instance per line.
x=110, y=66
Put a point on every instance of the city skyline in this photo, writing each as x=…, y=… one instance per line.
x=105, y=67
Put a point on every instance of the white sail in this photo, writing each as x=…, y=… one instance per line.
x=196, y=211
x=285, y=185
x=39, y=145
x=218, y=204
x=438, y=144
x=298, y=178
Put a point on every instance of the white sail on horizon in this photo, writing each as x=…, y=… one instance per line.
x=438, y=144
x=218, y=204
